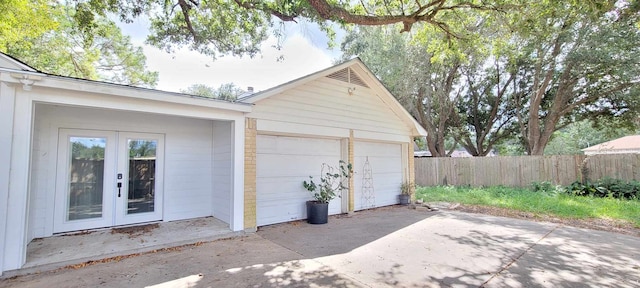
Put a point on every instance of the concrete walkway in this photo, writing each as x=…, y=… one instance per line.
x=59, y=251
x=388, y=247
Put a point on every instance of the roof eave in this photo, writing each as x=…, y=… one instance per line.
x=88, y=86
x=295, y=82
x=23, y=66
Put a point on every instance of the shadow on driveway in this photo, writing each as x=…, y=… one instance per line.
x=562, y=257
x=388, y=247
x=405, y=248
x=343, y=233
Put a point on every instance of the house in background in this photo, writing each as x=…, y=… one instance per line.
x=80, y=155
x=627, y=144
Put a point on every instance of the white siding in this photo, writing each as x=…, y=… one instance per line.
x=188, y=154
x=385, y=162
x=325, y=103
x=188, y=169
x=222, y=170
x=324, y=108
x=17, y=199
x=40, y=180
x=282, y=164
x=7, y=105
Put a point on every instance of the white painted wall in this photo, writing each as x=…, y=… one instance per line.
x=188, y=188
x=222, y=170
x=28, y=149
x=189, y=148
x=7, y=102
x=314, y=112
x=323, y=107
x=385, y=161
x=282, y=163
x=14, y=234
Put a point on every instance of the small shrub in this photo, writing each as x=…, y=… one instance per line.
x=547, y=187
x=407, y=188
x=607, y=187
x=543, y=186
x=331, y=183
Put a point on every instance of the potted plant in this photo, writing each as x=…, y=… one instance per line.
x=330, y=186
x=406, y=189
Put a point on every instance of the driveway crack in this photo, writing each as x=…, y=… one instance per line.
x=514, y=260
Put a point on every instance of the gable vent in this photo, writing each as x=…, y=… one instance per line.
x=347, y=75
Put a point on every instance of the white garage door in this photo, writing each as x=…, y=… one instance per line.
x=378, y=183
x=282, y=164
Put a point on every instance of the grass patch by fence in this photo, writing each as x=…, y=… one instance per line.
x=552, y=203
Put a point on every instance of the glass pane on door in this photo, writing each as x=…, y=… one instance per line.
x=86, y=177
x=142, y=176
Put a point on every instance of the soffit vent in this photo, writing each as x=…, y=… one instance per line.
x=347, y=75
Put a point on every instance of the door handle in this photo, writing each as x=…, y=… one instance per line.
x=119, y=186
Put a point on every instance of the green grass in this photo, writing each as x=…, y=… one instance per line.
x=544, y=203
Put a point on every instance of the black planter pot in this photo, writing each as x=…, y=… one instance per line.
x=404, y=199
x=317, y=213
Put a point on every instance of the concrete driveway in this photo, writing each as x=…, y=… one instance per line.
x=387, y=247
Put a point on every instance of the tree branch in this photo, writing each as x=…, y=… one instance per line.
x=258, y=5
x=185, y=7
x=333, y=12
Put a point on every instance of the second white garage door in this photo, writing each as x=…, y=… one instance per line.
x=282, y=163
x=381, y=185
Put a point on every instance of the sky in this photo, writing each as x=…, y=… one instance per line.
x=304, y=50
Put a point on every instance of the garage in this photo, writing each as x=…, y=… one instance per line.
x=282, y=163
x=340, y=113
x=378, y=177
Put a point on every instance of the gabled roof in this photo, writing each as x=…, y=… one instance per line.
x=369, y=80
x=6, y=61
x=625, y=143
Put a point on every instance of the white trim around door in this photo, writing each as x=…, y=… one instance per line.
x=107, y=178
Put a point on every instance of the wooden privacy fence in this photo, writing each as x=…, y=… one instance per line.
x=86, y=180
x=521, y=171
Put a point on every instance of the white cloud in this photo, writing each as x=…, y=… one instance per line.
x=183, y=68
x=304, y=50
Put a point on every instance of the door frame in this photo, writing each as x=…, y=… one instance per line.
x=60, y=222
x=116, y=161
x=121, y=203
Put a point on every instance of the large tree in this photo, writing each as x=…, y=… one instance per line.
x=238, y=27
x=97, y=52
x=425, y=87
x=216, y=27
x=453, y=87
x=531, y=72
x=24, y=18
x=581, y=63
x=486, y=106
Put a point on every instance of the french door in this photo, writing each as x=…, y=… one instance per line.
x=107, y=178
